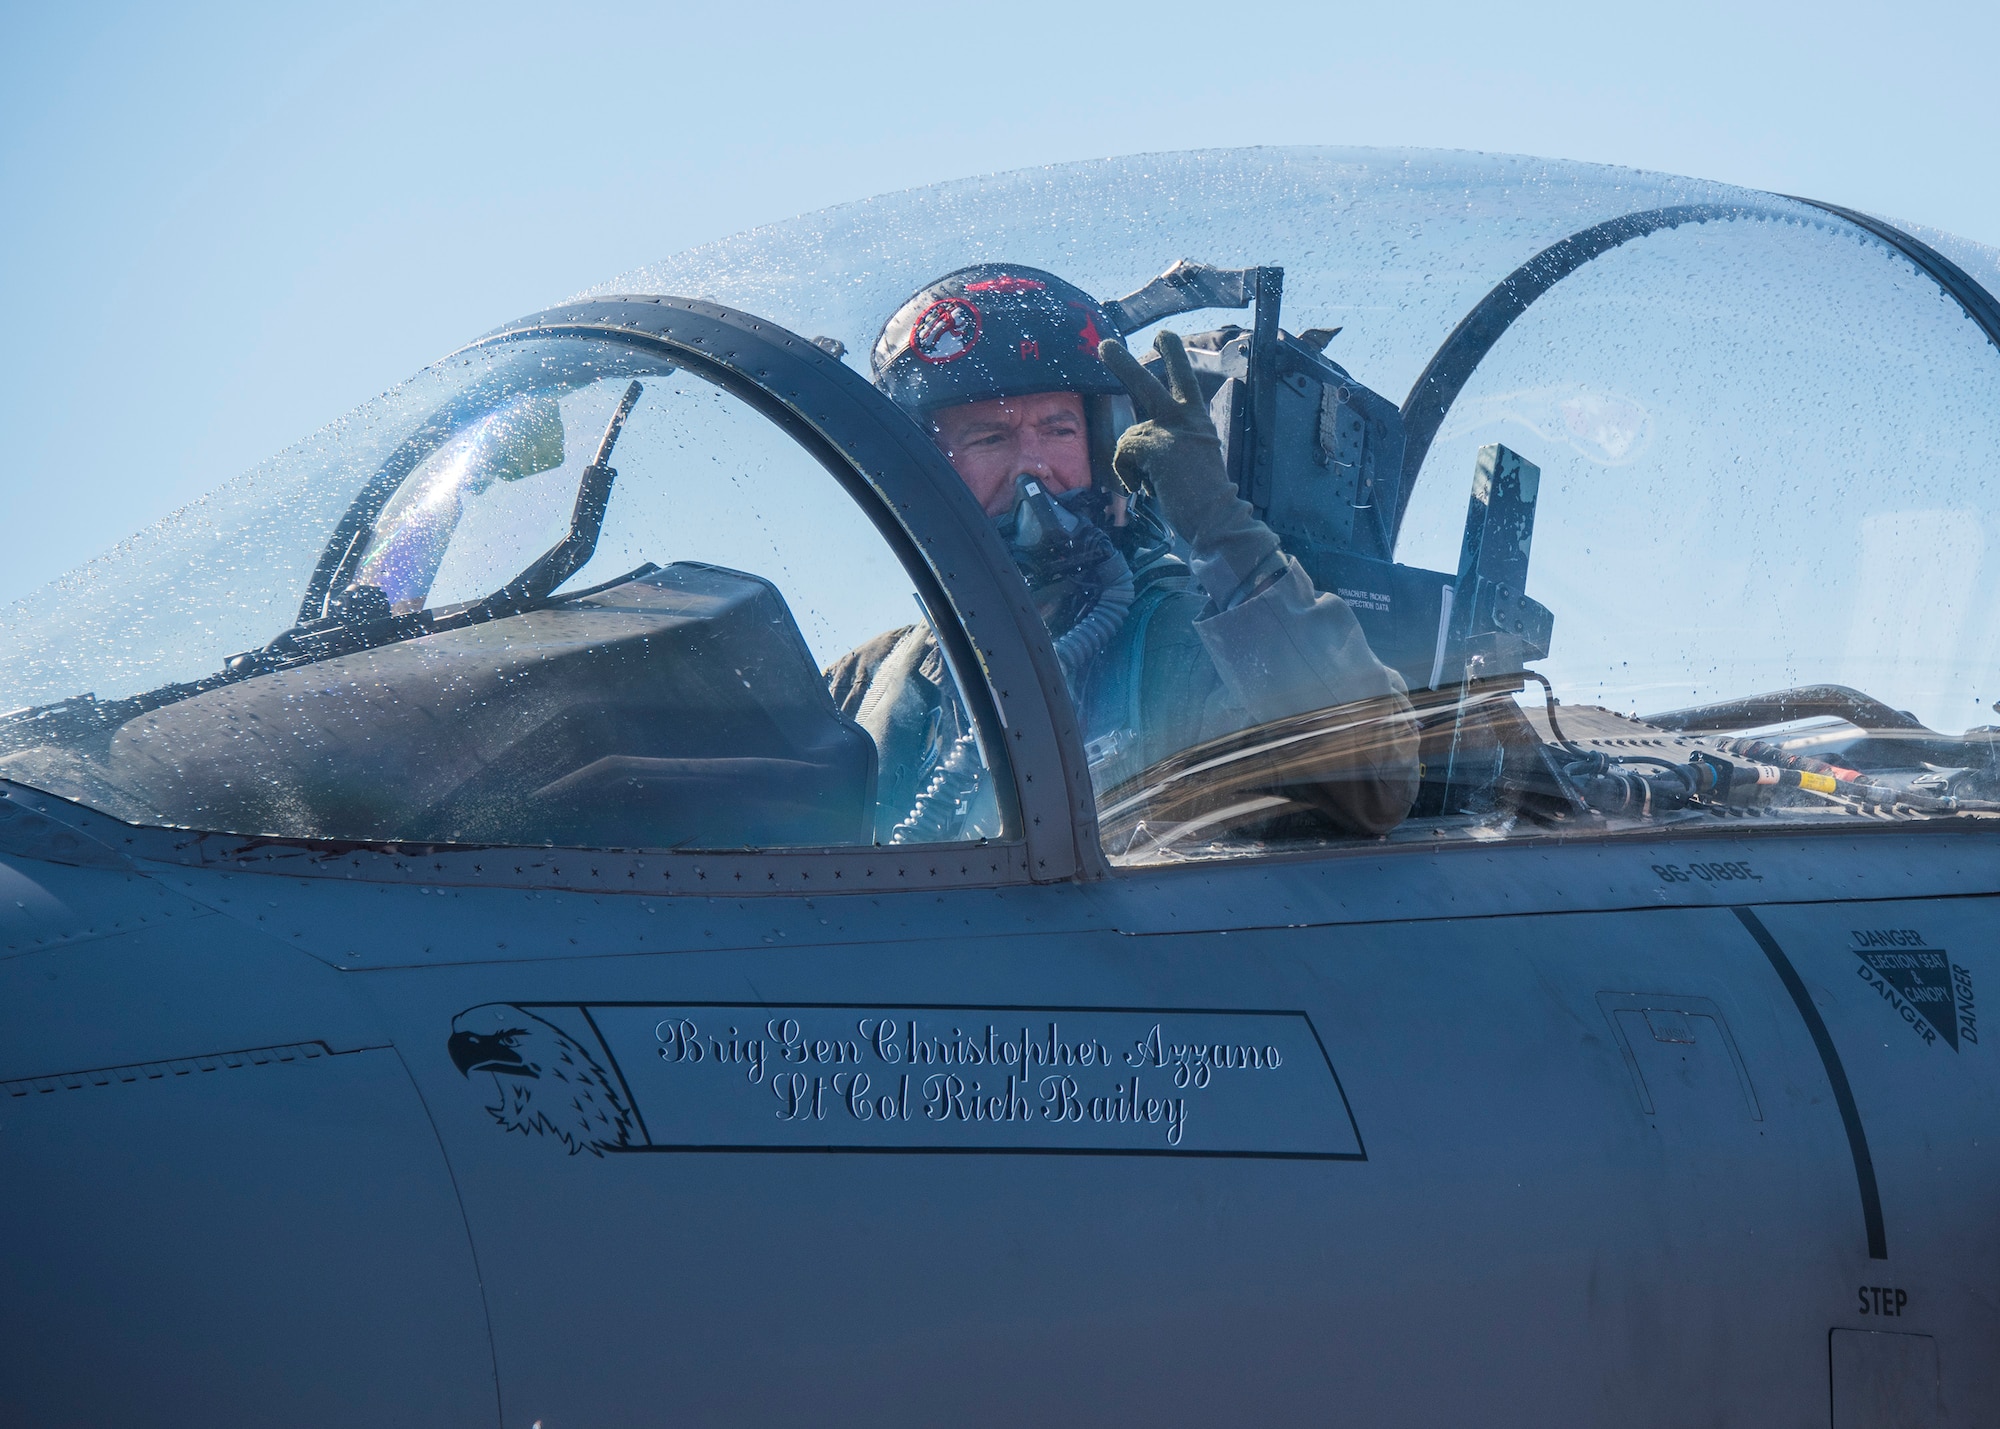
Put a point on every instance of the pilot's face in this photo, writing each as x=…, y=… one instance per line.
x=991, y=443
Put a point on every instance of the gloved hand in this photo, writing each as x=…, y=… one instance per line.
x=1175, y=450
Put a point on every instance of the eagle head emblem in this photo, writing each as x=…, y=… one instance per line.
x=548, y=1084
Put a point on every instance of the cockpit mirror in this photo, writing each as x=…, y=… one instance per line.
x=522, y=439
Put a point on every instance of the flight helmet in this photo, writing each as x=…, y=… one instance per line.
x=1003, y=330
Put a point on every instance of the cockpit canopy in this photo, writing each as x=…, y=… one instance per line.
x=1668, y=503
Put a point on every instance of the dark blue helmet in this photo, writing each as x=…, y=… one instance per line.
x=993, y=330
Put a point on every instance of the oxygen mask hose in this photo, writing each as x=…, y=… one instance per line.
x=942, y=806
x=1061, y=551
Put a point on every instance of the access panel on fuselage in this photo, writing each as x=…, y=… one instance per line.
x=1903, y=990
x=1417, y=1171
x=224, y=1202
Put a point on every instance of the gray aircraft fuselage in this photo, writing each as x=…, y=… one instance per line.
x=1561, y=1144
x=1674, y=1129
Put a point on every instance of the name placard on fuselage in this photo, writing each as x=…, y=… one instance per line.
x=706, y=1076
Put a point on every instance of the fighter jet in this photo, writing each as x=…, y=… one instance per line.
x=1395, y=826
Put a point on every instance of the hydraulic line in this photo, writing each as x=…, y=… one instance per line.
x=1712, y=781
x=1592, y=775
x=1800, y=771
x=1555, y=726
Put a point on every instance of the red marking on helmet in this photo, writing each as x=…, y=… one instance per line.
x=945, y=331
x=1005, y=283
x=1090, y=337
x=1030, y=350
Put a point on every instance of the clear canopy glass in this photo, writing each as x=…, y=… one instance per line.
x=456, y=620
x=1742, y=459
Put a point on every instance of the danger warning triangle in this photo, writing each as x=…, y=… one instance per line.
x=1917, y=984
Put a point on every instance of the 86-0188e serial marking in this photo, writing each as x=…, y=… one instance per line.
x=1739, y=872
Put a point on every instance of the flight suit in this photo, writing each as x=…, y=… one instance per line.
x=1178, y=673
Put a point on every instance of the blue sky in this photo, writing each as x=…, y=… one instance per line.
x=223, y=226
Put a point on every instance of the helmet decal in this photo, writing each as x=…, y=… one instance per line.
x=1027, y=331
x=1089, y=338
x=945, y=331
x=1007, y=283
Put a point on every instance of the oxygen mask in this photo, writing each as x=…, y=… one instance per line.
x=1081, y=584
x=1058, y=548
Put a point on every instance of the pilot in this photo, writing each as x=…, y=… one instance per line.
x=1176, y=615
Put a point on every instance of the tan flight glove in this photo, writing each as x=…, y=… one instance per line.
x=1175, y=451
